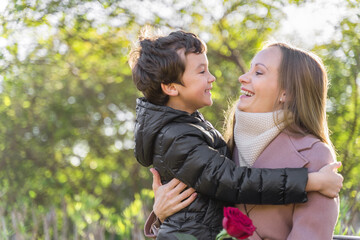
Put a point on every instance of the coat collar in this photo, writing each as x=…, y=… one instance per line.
x=285, y=151
x=301, y=142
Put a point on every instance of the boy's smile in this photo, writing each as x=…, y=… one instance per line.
x=195, y=92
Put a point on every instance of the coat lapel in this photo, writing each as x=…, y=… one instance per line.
x=285, y=152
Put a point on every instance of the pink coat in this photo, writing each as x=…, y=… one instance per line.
x=315, y=219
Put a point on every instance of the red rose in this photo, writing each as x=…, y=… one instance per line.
x=237, y=224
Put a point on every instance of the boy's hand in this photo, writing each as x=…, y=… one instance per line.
x=170, y=198
x=332, y=182
x=326, y=181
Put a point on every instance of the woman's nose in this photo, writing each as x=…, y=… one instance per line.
x=244, y=78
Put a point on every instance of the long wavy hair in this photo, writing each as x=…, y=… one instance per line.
x=303, y=77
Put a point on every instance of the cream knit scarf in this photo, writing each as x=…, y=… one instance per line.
x=253, y=132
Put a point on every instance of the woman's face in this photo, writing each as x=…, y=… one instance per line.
x=259, y=86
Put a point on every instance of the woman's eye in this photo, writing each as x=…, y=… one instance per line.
x=258, y=73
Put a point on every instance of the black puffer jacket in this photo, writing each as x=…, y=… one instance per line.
x=187, y=147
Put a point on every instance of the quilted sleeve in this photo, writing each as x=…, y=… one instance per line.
x=190, y=159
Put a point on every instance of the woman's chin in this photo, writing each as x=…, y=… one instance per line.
x=241, y=106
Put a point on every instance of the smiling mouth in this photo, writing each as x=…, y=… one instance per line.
x=247, y=93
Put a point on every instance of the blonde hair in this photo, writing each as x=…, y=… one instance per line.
x=303, y=77
x=229, y=124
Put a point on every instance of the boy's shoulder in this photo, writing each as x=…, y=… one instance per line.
x=198, y=131
x=176, y=129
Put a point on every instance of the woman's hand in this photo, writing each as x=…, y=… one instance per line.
x=327, y=180
x=170, y=198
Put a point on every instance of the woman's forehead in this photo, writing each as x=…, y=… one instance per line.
x=270, y=57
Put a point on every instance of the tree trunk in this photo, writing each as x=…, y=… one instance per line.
x=64, y=229
x=54, y=223
x=76, y=236
x=15, y=223
x=35, y=224
x=46, y=228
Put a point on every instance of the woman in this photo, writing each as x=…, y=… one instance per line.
x=281, y=112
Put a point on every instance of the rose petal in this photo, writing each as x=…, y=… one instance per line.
x=237, y=224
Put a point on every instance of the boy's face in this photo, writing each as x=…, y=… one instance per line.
x=197, y=81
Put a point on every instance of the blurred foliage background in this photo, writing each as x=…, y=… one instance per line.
x=67, y=102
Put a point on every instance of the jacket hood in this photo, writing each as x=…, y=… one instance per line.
x=150, y=119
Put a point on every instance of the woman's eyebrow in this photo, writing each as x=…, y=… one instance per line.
x=256, y=64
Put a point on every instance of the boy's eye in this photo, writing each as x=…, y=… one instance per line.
x=202, y=72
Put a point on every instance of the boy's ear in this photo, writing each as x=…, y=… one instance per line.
x=169, y=89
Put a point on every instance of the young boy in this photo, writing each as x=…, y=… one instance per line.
x=172, y=73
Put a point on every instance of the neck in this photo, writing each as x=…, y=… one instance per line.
x=253, y=132
x=173, y=103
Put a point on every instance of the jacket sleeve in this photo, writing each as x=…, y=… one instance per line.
x=317, y=218
x=217, y=176
x=152, y=226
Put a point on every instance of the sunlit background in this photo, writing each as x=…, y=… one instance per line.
x=67, y=169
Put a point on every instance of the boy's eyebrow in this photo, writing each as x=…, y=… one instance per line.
x=201, y=65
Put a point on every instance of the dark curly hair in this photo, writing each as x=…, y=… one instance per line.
x=160, y=59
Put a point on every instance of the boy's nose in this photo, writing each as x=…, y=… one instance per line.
x=212, y=78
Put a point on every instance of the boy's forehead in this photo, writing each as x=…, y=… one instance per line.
x=184, y=57
x=196, y=59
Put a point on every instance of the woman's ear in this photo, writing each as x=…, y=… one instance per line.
x=282, y=97
x=169, y=89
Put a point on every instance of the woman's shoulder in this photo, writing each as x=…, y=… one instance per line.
x=313, y=149
x=300, y=142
